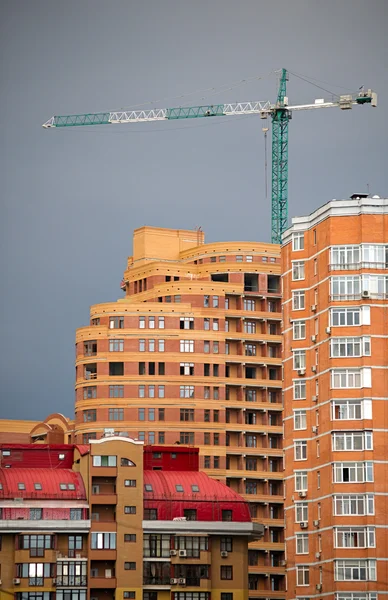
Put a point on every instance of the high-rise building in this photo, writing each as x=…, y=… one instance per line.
x=335, y=357
x=192, y=355
x=114, y=520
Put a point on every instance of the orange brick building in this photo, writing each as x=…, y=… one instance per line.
x=192, y=355
x=335, y=357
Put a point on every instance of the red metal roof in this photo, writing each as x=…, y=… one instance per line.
x=50, y=481
x=213, y=496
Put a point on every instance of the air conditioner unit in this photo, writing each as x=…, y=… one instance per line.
x=54, y=581
x=181, y=581
x=365, y=294
x=301, y=371
x=318, y=587
x=313, y=308
x=315, y=429
x=303, y=494
x=173, y=581
x=314, y=398
x=173, y=552
x=224, y=554
x=303, y=525
x=313, y=338
x=182, y=553
x=316, y=523
x=16, y=581
x=328, y=330
x=318, y=555
x=314, y=368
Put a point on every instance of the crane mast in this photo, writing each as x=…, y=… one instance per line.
x=280, y=114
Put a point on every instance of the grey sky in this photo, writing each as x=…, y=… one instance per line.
x=71, y=198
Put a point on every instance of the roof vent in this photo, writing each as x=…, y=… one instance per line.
x=358, y=196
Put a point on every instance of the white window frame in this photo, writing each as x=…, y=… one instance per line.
x=298, y=300
x=161, y=345
x=299, y=330
x=349, y=505
x=351, y=410
x=301, y=512
x=298, y=270
x=344, y=347
x=349, y=316
x=186, y=345
x=354, y=537
x=300, y=419
x=353, y=570
x=302, y=575
x=299, y=390
x=358, y=472
x=297, y=241
x=301, y=543
x=301, y=481
x=299, y=359
x=346, y=379
x=300, y=450
x=347, y=441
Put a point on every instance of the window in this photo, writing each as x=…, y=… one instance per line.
x=226, y=596
x=302, y=575
x=299, y=390
x=300, y=481
x=299, y=359
x=216, y=439
x=130, y=482
x=35, y=572
x=95, y=321
x=104, y=461
x=36, y=514
x=351, y=472
x=348, y=410
x=300, y=450
x=352, y=440
x=102, y=541
x=116, y=345
x=151, y=322
x=298, y=241
x=353, y=504
x=216, y=462
x=151, y=368
x=206, y=301
x=206, y=324
x=249, y=304
x=161, y=322
x=227, y=515
x=206, y=346
x=297, y=270
x=298, y=300
x=206, y=437
x=187, y=414
x=150, y=514
x=36, y=544
x=75, y=514
x=130, y=566
x=90, y=392
x=249, y=326
x=141, y=414
x=161, y=345
x=250, y=487
x=151, y=345
x=186, y=345
x=129, y=510
x=346, y=378
x=216, y=324
x=299, y=330
x=215, y=301
x=215, y=347
x=226, y=544
x=156, y=545
x=161, y=368
x=187, y=368
x=300, y=420
x=352, y=346
x=186, y=391
x=116, y=414
x=226, y=572
x=186, y=323
x=151, y=393
x=354, y=570
x=354, y=537
x=90, y=415
x=116, y=391
x=302, y=543
x=116, y=369
x=116, y=323
x=129, y=595
x=141, y=391
x=206, y=462
x=186, y=437
x=301, y=512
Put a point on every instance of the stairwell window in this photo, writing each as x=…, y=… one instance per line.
x=297, y=241
x=297, y=270
x=300, y=481
x=298, y=300
x=302, y=575
x=301, y=512
x=299, y=357
x=299, y=330
x=300, y=419
x=300, y=450
x=302, y=543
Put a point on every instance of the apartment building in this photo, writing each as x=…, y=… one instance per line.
x=335, y=360
x=114, y=520
x=192, y=355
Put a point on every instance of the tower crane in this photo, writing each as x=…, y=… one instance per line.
x=280, y=113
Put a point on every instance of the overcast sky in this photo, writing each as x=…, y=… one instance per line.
x=70, y=199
